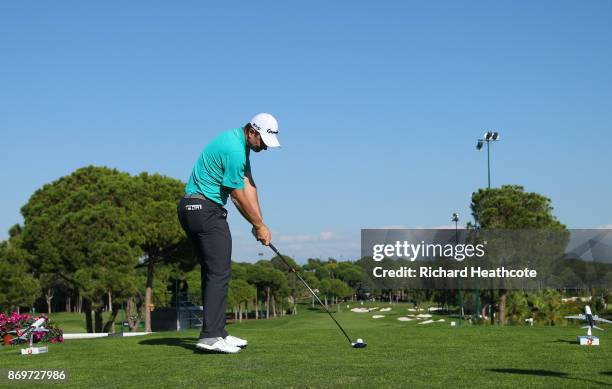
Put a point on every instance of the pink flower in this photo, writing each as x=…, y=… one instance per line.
x=16, y=322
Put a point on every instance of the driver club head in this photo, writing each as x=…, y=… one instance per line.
x=359, y=344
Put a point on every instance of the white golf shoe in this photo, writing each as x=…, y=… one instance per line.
x=218, y=345
x=234, y=341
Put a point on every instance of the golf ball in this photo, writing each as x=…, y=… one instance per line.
x=359, y=340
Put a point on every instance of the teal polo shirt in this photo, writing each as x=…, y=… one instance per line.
x=221, y=167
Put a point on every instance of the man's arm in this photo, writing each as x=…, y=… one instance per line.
x=247, y=203
x=250, y=189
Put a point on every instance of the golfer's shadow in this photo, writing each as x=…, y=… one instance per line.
x=177, y=342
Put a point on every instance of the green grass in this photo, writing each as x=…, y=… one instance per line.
x=307, y=350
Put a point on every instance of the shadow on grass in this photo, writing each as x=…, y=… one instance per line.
x=540, y=372
x=177, y=342
x=566, y=341
x=606, y=373
x=548, y=373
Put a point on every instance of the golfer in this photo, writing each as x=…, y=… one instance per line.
x=223, y=169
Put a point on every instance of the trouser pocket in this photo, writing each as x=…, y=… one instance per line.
x=197, y=215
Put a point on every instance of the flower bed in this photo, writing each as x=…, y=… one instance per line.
x=12, y=326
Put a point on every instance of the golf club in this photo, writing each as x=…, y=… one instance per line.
x=357, y=344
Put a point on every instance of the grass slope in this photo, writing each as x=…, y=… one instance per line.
x=307, y=350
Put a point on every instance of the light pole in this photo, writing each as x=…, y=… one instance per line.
x=455, y=218
x=489, y=136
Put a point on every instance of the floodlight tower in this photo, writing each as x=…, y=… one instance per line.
x=489, y=136
x=455, y=218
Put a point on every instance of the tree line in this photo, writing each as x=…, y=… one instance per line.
x=100, y=240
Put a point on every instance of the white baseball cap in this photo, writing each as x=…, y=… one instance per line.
x=267, y=126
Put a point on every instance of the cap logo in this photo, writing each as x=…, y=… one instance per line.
x=254, y=125
x=269, y=131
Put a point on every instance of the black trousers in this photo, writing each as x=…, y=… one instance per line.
x=205, y=222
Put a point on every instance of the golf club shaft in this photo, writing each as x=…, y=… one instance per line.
x=311, y=291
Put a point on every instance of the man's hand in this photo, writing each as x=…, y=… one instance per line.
x=262, y=234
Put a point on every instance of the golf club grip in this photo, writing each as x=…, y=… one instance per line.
x=311, y=291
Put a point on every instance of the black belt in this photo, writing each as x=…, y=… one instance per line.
x=195, y=196
x=201, y=197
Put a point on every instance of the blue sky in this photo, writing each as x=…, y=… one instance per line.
x=379, y=105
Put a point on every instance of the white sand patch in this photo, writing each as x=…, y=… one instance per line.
x=378, y=316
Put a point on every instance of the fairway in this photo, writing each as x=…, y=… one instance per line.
x=307, y=350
